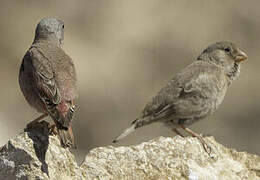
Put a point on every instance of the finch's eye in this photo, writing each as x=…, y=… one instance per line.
x=227, y=50
x=63, y=26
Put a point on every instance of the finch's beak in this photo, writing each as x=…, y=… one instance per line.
x=241, y=56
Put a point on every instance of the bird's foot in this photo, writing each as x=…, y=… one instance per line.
x=177, y=132
x=53, y=129
x=206, y=135
x=206, y=147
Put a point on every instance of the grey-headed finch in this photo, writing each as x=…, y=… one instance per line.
x=48, y=79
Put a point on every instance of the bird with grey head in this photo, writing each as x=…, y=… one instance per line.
x=48, y=79
x=51, y=29
x=195, y=92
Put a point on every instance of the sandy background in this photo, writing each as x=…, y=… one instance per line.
x=124, y=52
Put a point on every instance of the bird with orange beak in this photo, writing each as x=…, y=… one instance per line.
x=195, y=92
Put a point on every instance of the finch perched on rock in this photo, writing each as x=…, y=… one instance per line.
x=47, y=78
x=195, y=92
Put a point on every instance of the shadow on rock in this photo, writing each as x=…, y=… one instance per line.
x=39, y=133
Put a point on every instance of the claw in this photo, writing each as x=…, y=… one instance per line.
x=53, y=129
x=206, y=147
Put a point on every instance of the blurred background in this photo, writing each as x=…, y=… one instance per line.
x=124, y=52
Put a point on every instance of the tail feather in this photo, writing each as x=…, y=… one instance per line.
x=62, y=114
x=128, y=131
x=134, y=122
x=66, y=137
x=139, y=122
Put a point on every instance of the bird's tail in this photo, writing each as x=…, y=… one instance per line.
x=66, y=136
x=62, y=114
x=135, y=124
x=125, y=133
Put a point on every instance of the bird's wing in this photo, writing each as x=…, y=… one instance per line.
x=187, y=93
x=44, y=77
x=63, y=69
x=48, y=89
x=186, y=97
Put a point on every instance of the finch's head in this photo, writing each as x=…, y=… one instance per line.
x=50, y=29
x=225, y=54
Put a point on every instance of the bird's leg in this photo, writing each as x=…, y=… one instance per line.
x=53, y=128
x=206, y=147
x=36, y=120
x=177, y=132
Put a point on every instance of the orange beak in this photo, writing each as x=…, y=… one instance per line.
x=241, y=56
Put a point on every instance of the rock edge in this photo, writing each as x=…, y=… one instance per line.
x=35, y=154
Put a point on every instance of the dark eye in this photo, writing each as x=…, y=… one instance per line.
x=227, y=50
x=63, y=26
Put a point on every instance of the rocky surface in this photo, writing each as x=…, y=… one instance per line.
x=35, y=154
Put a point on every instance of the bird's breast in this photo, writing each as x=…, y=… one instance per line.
x=218, y=94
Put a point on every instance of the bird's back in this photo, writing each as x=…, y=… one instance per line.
x=62, y=67
x=194, y=92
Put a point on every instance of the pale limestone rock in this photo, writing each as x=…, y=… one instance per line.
x=32, y=155
x=164, y=158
